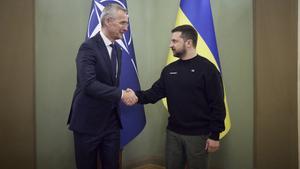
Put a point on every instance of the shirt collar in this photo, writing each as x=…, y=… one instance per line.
x=107, y=42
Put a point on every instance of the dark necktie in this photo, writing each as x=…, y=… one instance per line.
x=113, y=59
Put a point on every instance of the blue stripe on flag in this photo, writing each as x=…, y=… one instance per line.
x=199, y=14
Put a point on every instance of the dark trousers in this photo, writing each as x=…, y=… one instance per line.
x=185, y=149
x=88, y=147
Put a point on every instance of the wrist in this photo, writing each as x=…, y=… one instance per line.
x=214, y=136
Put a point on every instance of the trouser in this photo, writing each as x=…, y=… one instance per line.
x=184, y=149
x=88, y=147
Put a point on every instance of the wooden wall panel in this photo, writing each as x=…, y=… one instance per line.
x=17, y=85
x=275, y=76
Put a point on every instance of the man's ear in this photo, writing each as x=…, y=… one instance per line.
x=189, y=42
x=107, y=21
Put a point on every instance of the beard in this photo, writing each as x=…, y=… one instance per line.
x=180, y=53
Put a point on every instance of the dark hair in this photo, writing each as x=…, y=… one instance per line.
x=187, y=32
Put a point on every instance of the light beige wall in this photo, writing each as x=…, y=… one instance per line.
x=60, y=28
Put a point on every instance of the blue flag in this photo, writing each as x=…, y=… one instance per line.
x=133, y=117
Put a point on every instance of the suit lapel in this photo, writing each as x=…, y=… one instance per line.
x=104, y=55
x=106, y=58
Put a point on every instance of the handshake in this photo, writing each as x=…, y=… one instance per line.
x=128, y=97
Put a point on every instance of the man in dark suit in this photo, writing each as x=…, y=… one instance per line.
x=94, y=116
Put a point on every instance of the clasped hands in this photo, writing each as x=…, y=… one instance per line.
x=129, y=98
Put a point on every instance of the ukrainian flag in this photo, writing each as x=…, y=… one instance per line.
x=198, y=14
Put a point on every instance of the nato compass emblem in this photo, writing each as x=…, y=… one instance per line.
x=94, y=26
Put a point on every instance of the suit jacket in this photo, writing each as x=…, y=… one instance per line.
x=96, y=95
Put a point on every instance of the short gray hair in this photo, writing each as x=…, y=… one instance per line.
x=110, y=11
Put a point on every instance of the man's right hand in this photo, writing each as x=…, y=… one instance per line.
x=129, y=98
